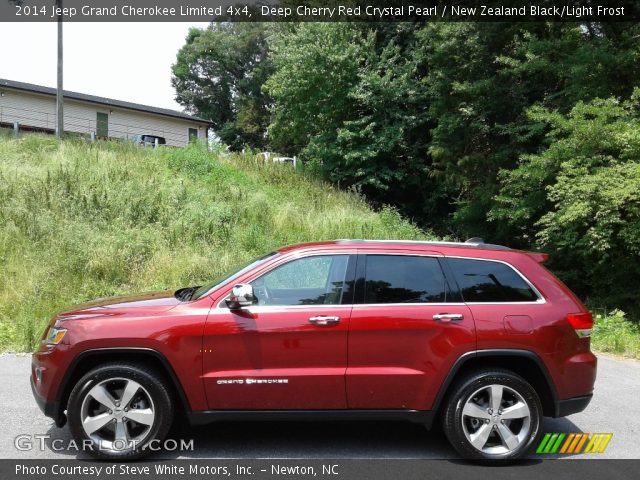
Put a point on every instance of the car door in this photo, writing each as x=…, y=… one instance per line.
x=408, y=325
x=289, y=350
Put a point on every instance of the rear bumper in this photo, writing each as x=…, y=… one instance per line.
x=573, y=376
x=572, y=405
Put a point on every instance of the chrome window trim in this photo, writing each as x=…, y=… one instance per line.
x=278, y=308
x=541, y=300
x=293, y=258
x=435, y=255
x=421, y=304
x=429, y=253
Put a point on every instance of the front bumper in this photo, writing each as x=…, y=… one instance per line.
x=50, y=409
x=46, y=366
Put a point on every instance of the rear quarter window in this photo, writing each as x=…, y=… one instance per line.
x=486, y=281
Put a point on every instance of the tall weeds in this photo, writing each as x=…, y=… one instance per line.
x=79, y=221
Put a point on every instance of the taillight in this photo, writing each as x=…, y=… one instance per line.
x=582, y=323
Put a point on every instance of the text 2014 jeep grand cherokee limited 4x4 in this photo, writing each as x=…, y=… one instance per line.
x=480, y=337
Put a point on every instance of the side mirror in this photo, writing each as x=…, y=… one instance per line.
x=241, y=296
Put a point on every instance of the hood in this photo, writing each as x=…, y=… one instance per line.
x=156, y=301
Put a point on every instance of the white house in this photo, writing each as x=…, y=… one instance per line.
x=33, y=107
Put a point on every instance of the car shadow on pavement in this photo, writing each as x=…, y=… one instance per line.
x=222, y=440
x=313, y=440
x=60, y=441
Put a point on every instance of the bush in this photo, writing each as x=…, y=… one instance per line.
x=614, y=333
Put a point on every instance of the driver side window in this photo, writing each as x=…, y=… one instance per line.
x=316, y=280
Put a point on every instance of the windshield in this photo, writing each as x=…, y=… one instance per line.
x=232, y=274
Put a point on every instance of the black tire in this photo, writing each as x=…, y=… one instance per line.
x=109, y=375
x=475, y=387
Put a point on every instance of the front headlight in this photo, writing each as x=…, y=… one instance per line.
x=55, y=335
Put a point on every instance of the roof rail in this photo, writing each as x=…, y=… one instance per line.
x=475, y=242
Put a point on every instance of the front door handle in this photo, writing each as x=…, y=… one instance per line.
x=448, y=317
x=324, y=320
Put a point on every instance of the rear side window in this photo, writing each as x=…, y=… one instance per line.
x=404, y=279
x=484, y=281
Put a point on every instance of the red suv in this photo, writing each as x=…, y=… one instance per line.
x=479, y=336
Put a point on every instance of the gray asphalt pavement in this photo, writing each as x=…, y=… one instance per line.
x=615, y=408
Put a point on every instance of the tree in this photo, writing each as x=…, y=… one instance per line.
x=582, y=194
x=219, y=74
x=483, y=78
x=349, y=96
x=315, y=68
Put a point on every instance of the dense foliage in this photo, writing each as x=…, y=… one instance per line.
x=78, y=221
x=523, y=133
x=580, y=198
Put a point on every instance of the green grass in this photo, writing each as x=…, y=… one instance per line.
x=614, y=333
x=80, y=221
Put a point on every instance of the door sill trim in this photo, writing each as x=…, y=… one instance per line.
x=424, y=417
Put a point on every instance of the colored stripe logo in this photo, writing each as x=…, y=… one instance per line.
x=573, y=443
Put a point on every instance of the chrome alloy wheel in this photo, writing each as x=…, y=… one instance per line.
x=117, y=414
x=496, y=419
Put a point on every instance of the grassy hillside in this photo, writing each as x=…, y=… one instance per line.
x=80, y=221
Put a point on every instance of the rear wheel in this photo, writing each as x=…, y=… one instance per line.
x=493, y=415
x=118, y=410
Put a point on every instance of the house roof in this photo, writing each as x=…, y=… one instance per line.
x=29, y=87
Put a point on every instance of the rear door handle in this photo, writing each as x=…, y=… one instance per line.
x=324, y=320
x=448, y=317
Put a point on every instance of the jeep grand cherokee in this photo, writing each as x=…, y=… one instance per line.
x=480, y=337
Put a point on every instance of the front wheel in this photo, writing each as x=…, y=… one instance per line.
x=117, y=410
x=494, y=415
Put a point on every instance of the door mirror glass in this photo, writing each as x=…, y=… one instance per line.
x=241, y=296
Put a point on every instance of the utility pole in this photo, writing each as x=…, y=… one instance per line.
x=59, y=97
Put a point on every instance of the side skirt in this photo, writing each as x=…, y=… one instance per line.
x=424, y=417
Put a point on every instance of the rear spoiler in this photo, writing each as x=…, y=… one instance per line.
x=538, y=257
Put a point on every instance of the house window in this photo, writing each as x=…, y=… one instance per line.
x=193, y=134
x=102, y=125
